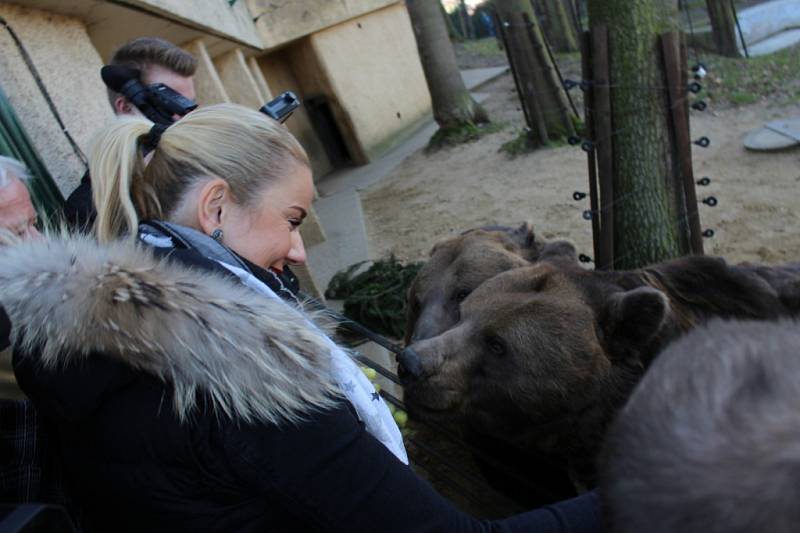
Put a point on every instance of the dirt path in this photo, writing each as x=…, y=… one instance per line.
x=432, y=197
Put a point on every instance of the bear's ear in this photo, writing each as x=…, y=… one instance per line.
x=632, y=318
x=523, y=236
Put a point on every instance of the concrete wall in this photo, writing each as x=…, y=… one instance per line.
x=371, y=67
x=315, y=81
x=285, y=21
x=234, y=22
x=69, y=66
x=207, y=83
x=277, y=71
x=238, y=80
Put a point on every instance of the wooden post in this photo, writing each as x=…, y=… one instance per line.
x=603, y=144
x=542, y=63
x=501, y=28
x=573, y=11
x=677, y=88
x=588, y=104
x=526, y=65
x=553, y=61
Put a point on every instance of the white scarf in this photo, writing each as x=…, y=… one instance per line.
x=358, y=389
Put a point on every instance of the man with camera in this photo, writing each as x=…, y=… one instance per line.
x=160, y=67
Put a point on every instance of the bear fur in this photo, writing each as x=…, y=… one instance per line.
x=457, y=266
x=713, y=426
x=543, y=356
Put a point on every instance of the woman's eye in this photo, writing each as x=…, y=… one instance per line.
x=295, y=223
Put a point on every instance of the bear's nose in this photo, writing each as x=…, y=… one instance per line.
x=409, y=366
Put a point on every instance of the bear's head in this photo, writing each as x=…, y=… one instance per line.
x=459, y=265
x=535, y=353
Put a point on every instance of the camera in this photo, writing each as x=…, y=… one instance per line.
x=281, y=107
x=160, y=103
x=157, y=102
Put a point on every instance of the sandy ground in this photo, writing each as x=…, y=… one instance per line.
x=433, y=196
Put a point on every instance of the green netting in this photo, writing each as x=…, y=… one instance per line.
x=14, y=142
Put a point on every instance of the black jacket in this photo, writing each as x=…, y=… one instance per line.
x=5, y=329
x=79, y=212
x=180, y=404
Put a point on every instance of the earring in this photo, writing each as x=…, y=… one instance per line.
x=217, y=235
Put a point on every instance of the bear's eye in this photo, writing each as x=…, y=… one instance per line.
x=496, y=345
x=461, y=295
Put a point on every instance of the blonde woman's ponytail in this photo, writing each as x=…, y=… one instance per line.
x=115, y=163
x=239, y=145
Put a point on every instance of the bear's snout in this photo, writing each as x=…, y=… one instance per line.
x=409, y=365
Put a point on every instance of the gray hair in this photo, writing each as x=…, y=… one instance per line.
x=11, y=167
x=710, y=440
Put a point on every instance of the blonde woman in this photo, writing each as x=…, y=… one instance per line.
x=187, y=390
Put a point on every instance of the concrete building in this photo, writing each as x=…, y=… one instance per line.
x=354, y=64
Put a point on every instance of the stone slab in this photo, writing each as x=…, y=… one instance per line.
x=776, y=42
x=770, y=18
x=775, y=135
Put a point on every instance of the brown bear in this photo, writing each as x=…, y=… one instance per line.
x=708, y=441
x=543, y=356
x=457, y=266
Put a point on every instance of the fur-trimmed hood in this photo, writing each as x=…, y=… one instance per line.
x=255, y=357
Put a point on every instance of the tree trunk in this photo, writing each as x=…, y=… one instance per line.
x=723, y=27
x=453, y=106
x=448, y=22
x=646, y=225
x=572, y=13
x=560, y=29
x=462, y=20
x=467, y=20
x=541, y=92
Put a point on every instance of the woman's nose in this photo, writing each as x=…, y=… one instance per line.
x=297, y=253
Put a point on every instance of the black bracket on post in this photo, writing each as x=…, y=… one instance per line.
x=710, y=201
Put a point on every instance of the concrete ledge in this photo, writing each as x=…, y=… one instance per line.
x=346, y=243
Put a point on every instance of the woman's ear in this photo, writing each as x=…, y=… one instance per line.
x=214, y=199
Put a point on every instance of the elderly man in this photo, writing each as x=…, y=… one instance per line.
x=17, y=220
x=17, y=217
x=28, y=470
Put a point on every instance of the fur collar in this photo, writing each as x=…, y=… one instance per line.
x=195, y=330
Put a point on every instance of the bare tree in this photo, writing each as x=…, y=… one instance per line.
x=541, y=93
x=646, y=225
x=559, y=26
x=466, y=20
x=723, y=27
x=453, y=106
